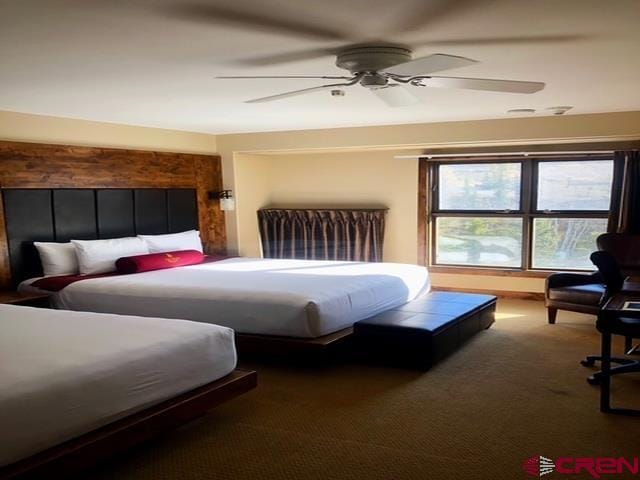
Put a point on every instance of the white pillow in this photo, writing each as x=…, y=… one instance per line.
x=57, y=258
x=99, y=256
x=189, y=240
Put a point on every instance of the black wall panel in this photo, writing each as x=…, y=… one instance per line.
x=151, y=211
x=182, y=210
x=115, y=213
x=29, y=219
x=74, y=213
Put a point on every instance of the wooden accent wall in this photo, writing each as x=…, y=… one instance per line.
x=34, y=165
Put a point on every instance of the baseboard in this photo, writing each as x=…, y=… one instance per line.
x=498, y=293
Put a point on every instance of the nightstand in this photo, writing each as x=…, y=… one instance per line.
x=11, y=297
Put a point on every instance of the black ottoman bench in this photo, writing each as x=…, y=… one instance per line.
x=424, y=331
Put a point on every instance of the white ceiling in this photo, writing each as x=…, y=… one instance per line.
x=140, y=62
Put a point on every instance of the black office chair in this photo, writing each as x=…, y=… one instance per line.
x=613, y=279
x=612, y=323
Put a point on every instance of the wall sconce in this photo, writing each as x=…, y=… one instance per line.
x=227, y=202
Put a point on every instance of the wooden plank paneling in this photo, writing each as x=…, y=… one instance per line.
x=32, y=165
x=209, y=178
x=5, y=266
x=28, y=165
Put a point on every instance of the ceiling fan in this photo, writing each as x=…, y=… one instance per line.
x=385, y=69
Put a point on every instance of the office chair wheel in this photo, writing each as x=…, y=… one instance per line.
x=593, y=380
x=588, y=362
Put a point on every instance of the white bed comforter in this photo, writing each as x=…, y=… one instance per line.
x=64, y=373
x=295, y=298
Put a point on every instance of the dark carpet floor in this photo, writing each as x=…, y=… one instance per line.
x=514, y=391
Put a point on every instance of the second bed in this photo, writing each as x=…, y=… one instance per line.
x=64, y=374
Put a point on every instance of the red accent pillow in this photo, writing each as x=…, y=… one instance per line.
x=158, y=261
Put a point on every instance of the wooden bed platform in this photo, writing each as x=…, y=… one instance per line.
x=277, y=347
x=73, y=456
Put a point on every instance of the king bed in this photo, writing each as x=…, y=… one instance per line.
x=305, y=304
x=289, y=298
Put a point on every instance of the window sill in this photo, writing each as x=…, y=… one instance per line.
x=499, y=272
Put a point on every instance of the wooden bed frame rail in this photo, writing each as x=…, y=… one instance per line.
x=78, y=454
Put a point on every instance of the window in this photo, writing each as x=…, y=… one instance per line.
x=526, y=213
x=479, y=241
x=480, y=186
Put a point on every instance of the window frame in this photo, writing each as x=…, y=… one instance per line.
x=528, y=211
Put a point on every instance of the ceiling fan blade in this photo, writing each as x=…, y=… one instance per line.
x=288, y=57
x=428, y=13
x=426, y=65
x=203, y=12
x=509, y=86
x=514, y=40
x=395, y=95
x=245, y=77
x=293, y=93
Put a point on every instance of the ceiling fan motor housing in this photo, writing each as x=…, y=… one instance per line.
x=372, y=58
x=373, y=80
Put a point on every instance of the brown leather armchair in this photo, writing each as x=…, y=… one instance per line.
x=582, y=292
x=576, y=292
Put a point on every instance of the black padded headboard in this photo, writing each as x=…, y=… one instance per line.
x=58, y=215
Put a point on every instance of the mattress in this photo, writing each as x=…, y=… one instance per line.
x=63, y=373
x=293, y=298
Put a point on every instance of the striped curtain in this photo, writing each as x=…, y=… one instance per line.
x=624, y=213
x=318, y=234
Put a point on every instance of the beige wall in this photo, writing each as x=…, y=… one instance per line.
x=488, y=282
x=21, y=127
x=569, y=128
x=252, y=192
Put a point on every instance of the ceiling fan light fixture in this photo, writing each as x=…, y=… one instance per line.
x=561, y=110
x=395, y=95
